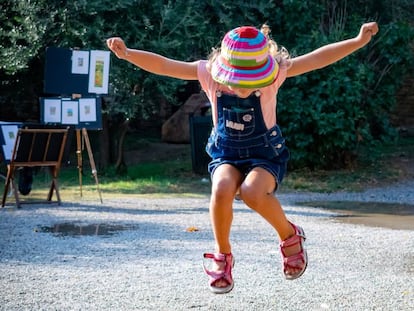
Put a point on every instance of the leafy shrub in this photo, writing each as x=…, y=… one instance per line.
x=328, y=113
x=325, y=114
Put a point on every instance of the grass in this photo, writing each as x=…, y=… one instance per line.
x=376, y=166
x=381, y=165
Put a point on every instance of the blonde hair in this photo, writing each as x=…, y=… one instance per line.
x=280, y=54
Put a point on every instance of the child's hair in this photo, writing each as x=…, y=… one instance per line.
x=280, y=54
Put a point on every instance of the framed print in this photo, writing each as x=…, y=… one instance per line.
x=87, y=110
x=70, y=112
x=80, y=62
x=52, y=111
x=9, y=135
x=8, y=152
x=99, y=72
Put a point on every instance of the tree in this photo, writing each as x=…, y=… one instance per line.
x=326, y=114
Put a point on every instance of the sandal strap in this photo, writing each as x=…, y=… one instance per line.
x=219, y=257
x=295, y=261
x=298, y=238
x=298, y=260
x=227, y=259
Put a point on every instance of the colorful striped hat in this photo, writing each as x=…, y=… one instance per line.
x=244, y=60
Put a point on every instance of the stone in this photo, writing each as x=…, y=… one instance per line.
x=177, y=128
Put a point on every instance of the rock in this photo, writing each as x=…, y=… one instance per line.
x=177, y=129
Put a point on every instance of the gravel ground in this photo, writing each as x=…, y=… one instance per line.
x=155, y=262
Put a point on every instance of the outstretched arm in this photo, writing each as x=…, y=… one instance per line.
x=332, y=53
x=152, y=62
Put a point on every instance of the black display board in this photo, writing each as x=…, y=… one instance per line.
x=58, y=76
x=69, y=71
x=79, y=113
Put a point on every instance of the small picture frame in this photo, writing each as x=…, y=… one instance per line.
x=99, y=72
x=70, y=112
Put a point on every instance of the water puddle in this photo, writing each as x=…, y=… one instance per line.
x=386, y=215
x=76, y=230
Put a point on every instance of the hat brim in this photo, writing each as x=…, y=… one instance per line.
x=251, y=78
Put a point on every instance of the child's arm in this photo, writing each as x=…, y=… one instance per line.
x=331, y=53
x=152, y=62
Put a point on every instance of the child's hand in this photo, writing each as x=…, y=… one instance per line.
x=117, y=45
x=367, y=31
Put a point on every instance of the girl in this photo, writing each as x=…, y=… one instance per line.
x=248, y=152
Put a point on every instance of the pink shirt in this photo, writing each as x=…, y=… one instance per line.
x=267, y=99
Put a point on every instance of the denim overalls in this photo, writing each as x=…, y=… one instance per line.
x=242, y=139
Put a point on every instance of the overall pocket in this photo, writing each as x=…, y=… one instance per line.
x=238, y=122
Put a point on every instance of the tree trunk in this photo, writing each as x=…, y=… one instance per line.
x=120, y=166
x=104, y=144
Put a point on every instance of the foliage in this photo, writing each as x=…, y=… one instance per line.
x=326, y=115
x=189, y=35
x=20, y=34
x=162, y=175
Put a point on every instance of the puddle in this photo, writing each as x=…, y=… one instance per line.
x=75, y=230
x=386, y=215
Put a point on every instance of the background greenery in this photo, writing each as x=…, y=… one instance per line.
x=161, y=175
x=326, y=115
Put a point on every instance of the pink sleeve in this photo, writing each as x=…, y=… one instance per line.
x=206, y=81
x=283, y=68
x=209, y=86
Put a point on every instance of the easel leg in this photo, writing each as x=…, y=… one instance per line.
x=16, y=191
x=92, y=161
x=79, y=154
x=6, y=185
x=54, y=186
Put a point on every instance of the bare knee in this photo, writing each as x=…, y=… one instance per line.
x=251, y=195
x=224, y=190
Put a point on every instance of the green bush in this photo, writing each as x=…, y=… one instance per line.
x=327, y=114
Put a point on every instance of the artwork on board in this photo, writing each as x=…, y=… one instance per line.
x=78, y=112
x=9, y=135
x=99, y=72
x=70, y=112
x=72, y=71
x=52, y=111
x=87, y=110
x=80, y=62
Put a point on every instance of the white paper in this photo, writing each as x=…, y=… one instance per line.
x=99, y=72
x=87, y=109
x=70, y=112
x=8, y=152
x=9, y=133
x=80, y=62
x=52, y=111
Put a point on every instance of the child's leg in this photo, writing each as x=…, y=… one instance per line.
x=225, y=182
x=257, y=192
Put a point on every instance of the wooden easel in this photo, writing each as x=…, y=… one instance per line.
x=79, y=135
x=36, y=148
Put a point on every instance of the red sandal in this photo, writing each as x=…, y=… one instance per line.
x=298, y=260
x=223, y=260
